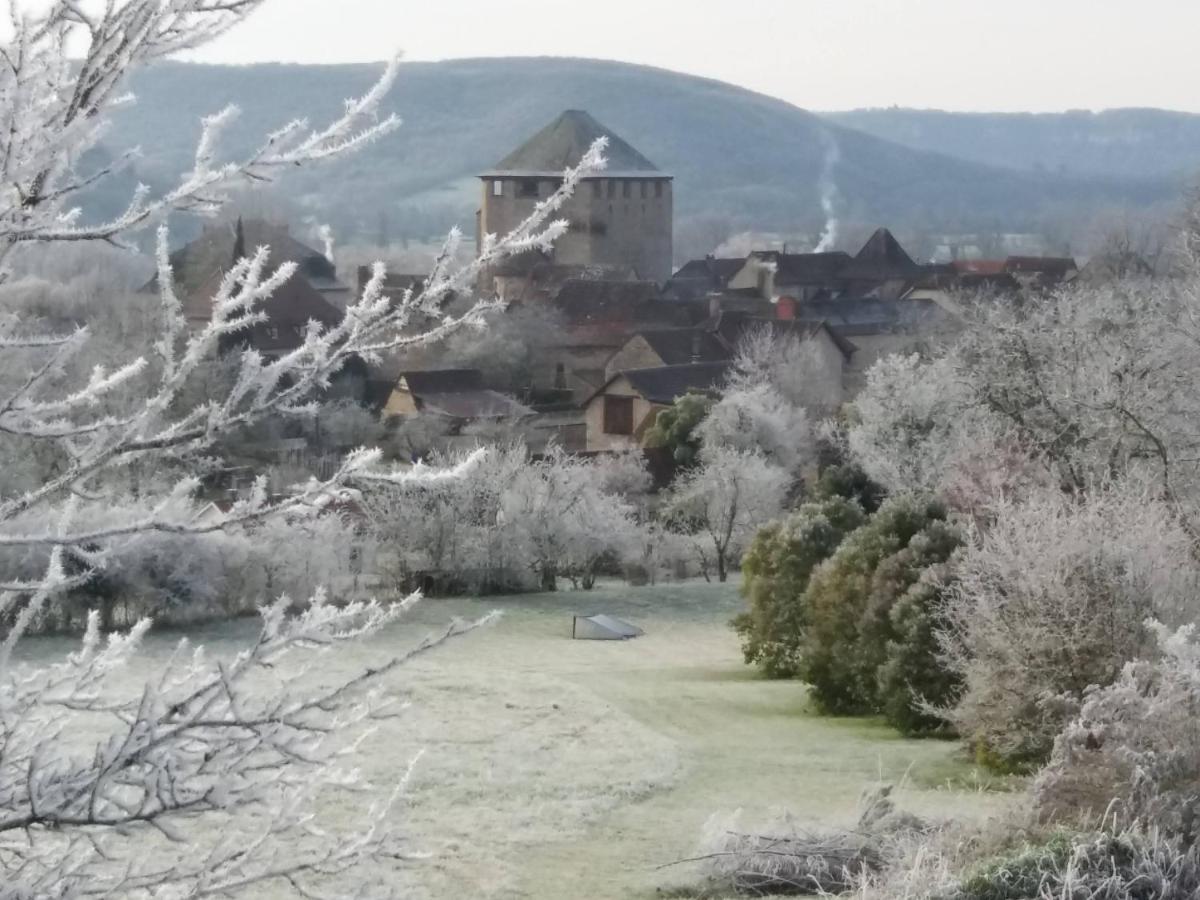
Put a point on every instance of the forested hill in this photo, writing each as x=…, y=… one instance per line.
x=1117, y=143
x=748, y=158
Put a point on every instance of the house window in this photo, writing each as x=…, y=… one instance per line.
x=597, y=188
x=645, y=189
x=612, y=188
x=618, y=415
x=272, y=333
x=658, y=189
x=527, y=187
x=497, y=188
x=626, y=189
x=560, y=377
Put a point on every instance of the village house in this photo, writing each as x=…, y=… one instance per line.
x=312, y=294
x=623, y=217
x=457, y=395
x=618, y=415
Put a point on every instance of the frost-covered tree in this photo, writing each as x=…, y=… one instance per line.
x=202, y=738
x=1053, y=599
x=776, y=388
x=1133, y=749
x=565, y=519
x=722, y=502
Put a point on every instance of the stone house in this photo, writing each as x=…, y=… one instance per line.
x=668, y=347
x=623, y=217
x=618, y=415
x=458, y=395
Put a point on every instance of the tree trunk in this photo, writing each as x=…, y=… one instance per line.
x=549, y=579
x=722, y=571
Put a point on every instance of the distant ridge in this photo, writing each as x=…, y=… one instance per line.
x=751, y=160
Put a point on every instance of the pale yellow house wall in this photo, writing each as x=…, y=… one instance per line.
x=643, y=410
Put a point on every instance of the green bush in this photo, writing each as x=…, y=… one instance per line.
x=903, y=619
x=849, y=481
x=775, y=573
x=675, y=428
x=849, y=600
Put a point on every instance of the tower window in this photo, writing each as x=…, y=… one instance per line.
x=658, y=189
x=612, y=189
x=497, y=188
x=597, y=188
x=527, y=187
x=645, y=190
x=626, y=189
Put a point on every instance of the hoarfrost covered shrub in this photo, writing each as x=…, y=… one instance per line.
x=906, y=421
x=776, y=572
x=760, y=419
x=514, y=522
x=848, y=606
x=776, y=386
x=1133, y=750
x=1130, y=865
x=721, y=503
x=1052, y=600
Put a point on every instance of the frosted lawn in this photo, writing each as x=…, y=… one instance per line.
x=557, y=768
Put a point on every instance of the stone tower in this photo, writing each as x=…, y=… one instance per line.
x=624, y=217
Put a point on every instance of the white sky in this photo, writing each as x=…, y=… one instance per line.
x=832, y=54
x=820, y=54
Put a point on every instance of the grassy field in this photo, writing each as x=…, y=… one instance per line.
x=557, y=768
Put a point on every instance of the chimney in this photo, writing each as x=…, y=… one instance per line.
x=785, y=309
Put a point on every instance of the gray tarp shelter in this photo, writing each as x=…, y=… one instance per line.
x=600, y=627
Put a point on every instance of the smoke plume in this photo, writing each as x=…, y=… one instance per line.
x=829, y=192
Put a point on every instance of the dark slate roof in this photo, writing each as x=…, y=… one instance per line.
x=443, y=381
x=698, y=278
x=850, y=317
x=480, y=404
x=733, y=325
x=219, y=246
x=607, y=313
x=717, y=269
x=678, y=346
x=666, y=384
x=805, y=268
x=881, y=257
x=561, y=145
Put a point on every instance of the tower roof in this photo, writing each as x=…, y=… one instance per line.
x=561, y=145
x=881, y=257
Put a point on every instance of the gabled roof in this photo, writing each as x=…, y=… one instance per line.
x=805, y=268
x=473, y=405
x=666, y=384
x=881, y=257
x=219, y=246
x=561, y=145
x=442, y=381
x=732, y=326
x=850, y=317
x=717, y=269
x=679, y=346
x=458, y=394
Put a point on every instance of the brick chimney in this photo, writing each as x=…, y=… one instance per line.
x=785, y=308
